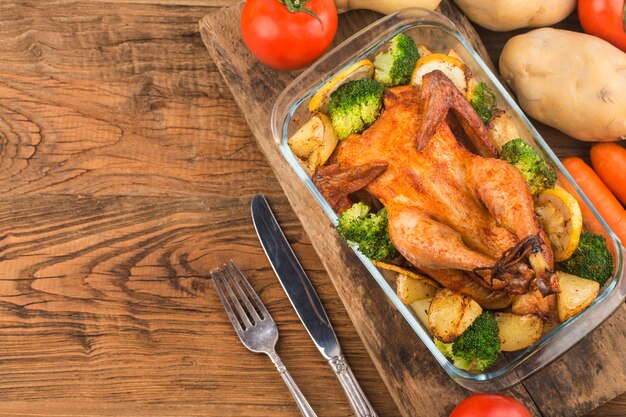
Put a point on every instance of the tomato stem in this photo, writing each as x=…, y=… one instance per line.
x=624, y=18
x=299, y=6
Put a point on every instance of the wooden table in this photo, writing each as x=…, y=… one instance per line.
x=126, y=170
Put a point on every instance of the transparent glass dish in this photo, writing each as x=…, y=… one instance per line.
x=440, y=35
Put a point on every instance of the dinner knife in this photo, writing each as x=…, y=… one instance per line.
x=305, y=301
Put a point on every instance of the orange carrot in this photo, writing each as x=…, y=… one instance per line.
x=609, y=162
x=600, y=196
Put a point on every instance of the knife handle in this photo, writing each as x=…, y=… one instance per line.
x=301, y=402
x=359, y=403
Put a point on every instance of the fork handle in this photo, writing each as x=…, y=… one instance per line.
x=357, y=399
x=301, y=402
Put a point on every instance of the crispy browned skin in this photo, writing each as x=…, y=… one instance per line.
x=450, y=211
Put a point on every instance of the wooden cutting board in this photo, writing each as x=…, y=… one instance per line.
x=590, y=374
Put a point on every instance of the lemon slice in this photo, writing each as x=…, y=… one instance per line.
x=314, y=142
x=408, y=273
x=561, y=218
x=357, y=71
x=453, y=68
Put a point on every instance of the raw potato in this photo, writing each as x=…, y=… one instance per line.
x=410, y=289
x=450, y=314
x=501, y=128
x=575, y=296
x=385, y=7
x=505, y=15
x=518, y=332
x=421, y=309
x=571, y=81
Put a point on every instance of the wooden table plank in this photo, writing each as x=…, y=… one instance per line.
x=138, y=227
x=114, y=100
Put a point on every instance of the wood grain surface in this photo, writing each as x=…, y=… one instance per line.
x=126, y=168
x=389, y=342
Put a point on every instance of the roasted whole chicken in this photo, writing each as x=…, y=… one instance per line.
x=456, y=212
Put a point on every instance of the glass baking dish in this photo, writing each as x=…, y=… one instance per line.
x=440, y=35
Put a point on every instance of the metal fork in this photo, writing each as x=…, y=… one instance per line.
x=255, y=327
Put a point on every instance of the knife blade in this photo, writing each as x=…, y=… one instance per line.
x=293, y=279
x=305, y=301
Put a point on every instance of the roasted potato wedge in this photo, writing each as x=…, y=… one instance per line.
x=518, y=332
x=450, y=314
x=453, y=54
x=314, y=142
x=410, y=289
x=453, y=68
x=421, y=309
x=423, y=50
x=501, y=128
x=575, y=296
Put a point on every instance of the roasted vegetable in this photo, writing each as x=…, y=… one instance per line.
x=395, y=66
x=483, y=101
x=575, y=296
x=450, y=314
x=477, y=348
x=410, y=289
x=571, y=81
x=538, y=173
x=367, y=231
x=421, y=308
x=591, y=259
x=501, y=128
x=518, y=332
x=357, y=71
x=453, y=68
x=314, y=142
x=354, y=106
x=407, y=272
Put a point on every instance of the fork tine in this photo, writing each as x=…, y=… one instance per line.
x=257, y=301
x=242, y=294
x=242, y=313
x=227, y=307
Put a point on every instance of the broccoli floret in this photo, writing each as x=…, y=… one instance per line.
x=483, y=101
x=354, y=106
x=367, y=231
x=477, y=348
x=445, y=348
x=395, y=66
x=536, y=171
x=591, y=259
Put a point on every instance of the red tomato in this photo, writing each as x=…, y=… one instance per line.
x=285, y=39
x=490, y=405
x=605, y=19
